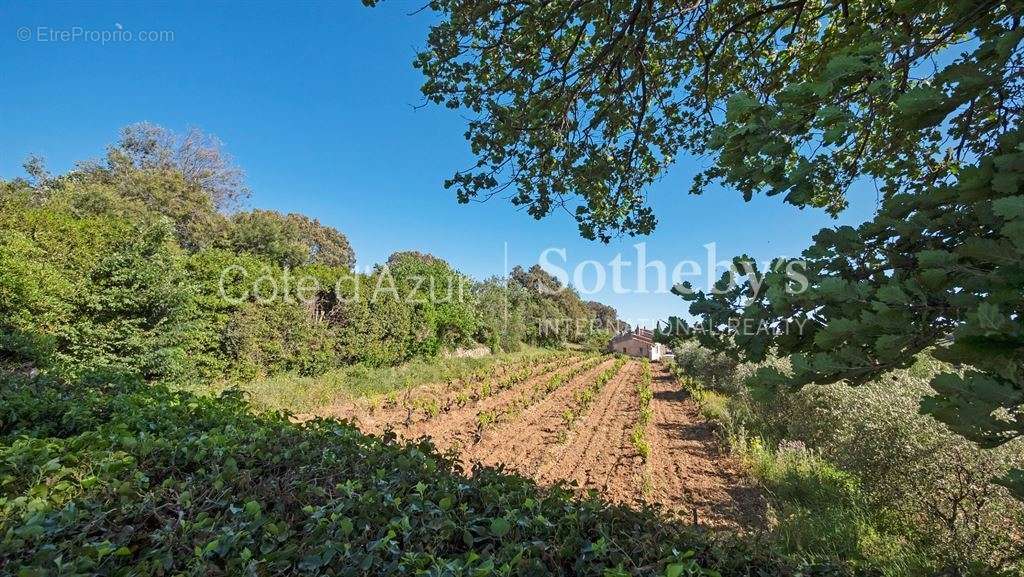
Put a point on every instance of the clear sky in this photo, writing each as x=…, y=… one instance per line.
x=316, y=102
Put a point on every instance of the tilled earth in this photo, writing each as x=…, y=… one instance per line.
x=523, y=427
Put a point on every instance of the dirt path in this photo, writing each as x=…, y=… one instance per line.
x=689, y=472
x=520, y=444
x=599, y=452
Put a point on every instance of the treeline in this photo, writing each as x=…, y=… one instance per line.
x=141, y=263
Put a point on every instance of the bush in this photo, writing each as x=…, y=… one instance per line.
x=941, y=483
x=858, y=473
x=717, y=372
x=278, y=338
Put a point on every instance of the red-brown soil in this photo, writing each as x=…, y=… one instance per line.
x=599, y=452
x=521, y=444
x=689, y=470
x=688, y=473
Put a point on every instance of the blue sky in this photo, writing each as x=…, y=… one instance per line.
x=316, y=102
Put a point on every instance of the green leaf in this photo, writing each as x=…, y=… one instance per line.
x=892, y=294
x=345, y=526
x=740, y=106
x=1009, y=208
x=923, y=106
x=500, y=527
x=935, y=259
x=1007, y=182
x=253, y=509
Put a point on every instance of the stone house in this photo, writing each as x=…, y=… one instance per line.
x=638, y=343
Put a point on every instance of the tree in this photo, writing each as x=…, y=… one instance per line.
x=327, y=245
x=79, y=295
x=606, y=317
x=554, y=312
x=149, y=174
x=290, y=239
x=501, y=315
x=196, y=156
x=441, y=300
x=581, y=105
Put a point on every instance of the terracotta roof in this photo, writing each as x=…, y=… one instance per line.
x=632, y=337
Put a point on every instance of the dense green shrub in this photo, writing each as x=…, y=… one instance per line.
x=913, y=497
x=266, y=339
x=130, y=314
x=132, y=264
x=82, y=294
x=501, y=319
x=376, y=333
x=441, y=300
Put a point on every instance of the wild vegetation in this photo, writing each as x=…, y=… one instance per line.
x=860, y=474
x=129, y=265
x=875, y=399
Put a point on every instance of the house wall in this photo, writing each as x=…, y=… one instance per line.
x=638, y=348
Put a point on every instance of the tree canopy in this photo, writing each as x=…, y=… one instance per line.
x=290, y=239
x=580, y=105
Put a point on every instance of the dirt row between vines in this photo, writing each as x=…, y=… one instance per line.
x=525, y=444
x=687, y=473
x=599, y=452
x=690, y=468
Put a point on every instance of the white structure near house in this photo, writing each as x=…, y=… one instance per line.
x=638, y=343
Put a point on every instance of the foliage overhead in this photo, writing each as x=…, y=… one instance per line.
x=580, y=105
x=583, y=104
